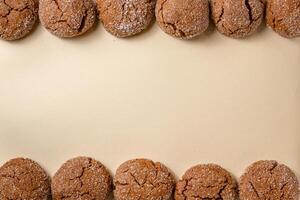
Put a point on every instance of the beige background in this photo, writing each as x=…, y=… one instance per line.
x=213, y=99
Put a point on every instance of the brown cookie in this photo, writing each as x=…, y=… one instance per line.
x=81, y=178
x=183, y=19
x=237, y=18
x=206, y=182
x=124, y=18
x=17, y=18
x=268, y=180
x=283, y=16
x=142, y=179
x=67, y=18
x=22, y=178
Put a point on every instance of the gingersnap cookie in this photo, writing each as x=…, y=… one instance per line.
x=183, y=19
x=283, y=16
x=81, y=178
x=268, y=180
x=22, y=178
x=67, y=18
x=17, y=18
x=237, y=18
x=143, y=179
x=124, y=18
x=208, y=181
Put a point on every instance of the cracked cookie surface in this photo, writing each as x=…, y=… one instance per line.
x=17, y=18
x=237, y=18
x=183, y=19
x=81, y=178
x=283, y=16
x=142, y=179
x=22, y=178
x=268, y=180
x=67, y=18
x=203, y=182
x=124, y=18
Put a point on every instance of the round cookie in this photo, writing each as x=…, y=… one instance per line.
x=67, y=18
x=124, y=18
x=183, y=19
x=206, y=182
x=17, y=18
x=81, y=178
x=268, y=180
x=237, y=18
x=22, y=178
x=142, y=179
x=283, y=16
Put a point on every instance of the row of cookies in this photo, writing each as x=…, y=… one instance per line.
x=84, y=178
x=183, y=19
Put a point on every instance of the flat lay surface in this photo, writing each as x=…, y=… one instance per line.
x=208, y=100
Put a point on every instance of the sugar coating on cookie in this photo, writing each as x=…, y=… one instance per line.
x=183, y=19
x=81, y=178
x=206, y=182
x=143, y=179
x=237, y=18
x=283, y=16
x=17, y=18
x=22, y=178
x=268, y=180
x=124, y=18
x=67, y=18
